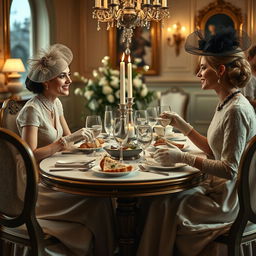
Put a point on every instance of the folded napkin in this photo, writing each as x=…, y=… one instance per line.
x=75, y=164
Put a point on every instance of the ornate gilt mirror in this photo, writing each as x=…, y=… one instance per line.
x=219, y=14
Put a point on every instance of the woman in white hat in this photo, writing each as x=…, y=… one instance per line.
x=185, y=223
x=83, y=225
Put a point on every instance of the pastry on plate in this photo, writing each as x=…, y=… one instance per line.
x=93, y=144
x=163, y=141
x=108, y=164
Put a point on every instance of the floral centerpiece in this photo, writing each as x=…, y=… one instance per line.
x=103, y=88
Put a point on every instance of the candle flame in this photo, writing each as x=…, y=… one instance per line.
x=123, y=56
x=129, y=58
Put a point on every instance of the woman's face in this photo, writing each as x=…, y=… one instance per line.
x=207, y=75
x=59, y=86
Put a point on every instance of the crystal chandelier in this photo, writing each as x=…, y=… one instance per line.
x=129, y=14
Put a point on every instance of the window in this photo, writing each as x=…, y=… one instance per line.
x=20, y=32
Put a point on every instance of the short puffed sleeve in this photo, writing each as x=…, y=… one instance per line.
x=29, y=115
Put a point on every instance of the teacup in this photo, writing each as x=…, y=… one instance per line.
x=159, y=130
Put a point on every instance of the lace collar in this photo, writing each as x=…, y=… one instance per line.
x=46, y=102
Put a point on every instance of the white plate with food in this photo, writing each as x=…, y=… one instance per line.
x=89, y=147
x=164, y=143
x=184, y=148
x=176, y=137
x=97, y=170
x=113, y=168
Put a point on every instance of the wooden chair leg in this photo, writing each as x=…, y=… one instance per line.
x=241, y=250
x=250, y=249
x=8, y=248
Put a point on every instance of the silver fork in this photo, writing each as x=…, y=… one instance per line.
x=144, y=169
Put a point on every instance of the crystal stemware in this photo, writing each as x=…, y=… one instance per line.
x=121, y=132
x=144, y=137
x=108, y=120
x=152, y=115
x=163, y=121
x=94, y=124
x=140, y=117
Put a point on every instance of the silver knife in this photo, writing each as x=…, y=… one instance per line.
x=143, y=169
x=69, y=169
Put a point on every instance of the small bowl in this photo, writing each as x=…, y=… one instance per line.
x=127, y=154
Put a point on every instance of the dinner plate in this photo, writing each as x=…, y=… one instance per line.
x=154, y=165
x=76, y=148
x=185, y=148
x=97, y=170
x=127, y=154
x=89, y=149
x=176, y=137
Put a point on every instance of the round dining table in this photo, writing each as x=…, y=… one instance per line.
x=126, y=189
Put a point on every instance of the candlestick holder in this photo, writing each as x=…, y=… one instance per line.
x=130, y=120
x=121, y=131
x=123, y=110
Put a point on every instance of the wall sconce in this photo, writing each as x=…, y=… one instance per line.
x=176, y=36
x=12, y=67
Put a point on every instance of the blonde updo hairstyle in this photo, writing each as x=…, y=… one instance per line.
x=238, y=69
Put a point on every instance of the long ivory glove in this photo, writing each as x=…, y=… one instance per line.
x=168, y=157
x=177, y=122
x=82, y=134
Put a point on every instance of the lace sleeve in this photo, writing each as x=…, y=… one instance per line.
x=217, y=168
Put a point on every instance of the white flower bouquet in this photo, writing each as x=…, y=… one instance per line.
x=103, y=88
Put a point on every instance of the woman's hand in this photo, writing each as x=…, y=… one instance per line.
x=82, y=134
x=177, y=122
x=168, y=157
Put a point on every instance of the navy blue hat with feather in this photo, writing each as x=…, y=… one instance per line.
x=224, y=42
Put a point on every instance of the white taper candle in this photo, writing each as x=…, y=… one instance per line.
x=122, y=81
x=129, y=74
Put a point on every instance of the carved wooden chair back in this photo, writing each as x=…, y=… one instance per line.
x=242, y=234
x=9, y=113
x=18, y=195
x=177, y=99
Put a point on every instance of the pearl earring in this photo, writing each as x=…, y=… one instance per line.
x=218, y=81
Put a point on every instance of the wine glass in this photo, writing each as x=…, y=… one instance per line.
x=152, y=115
x=108, y=120
x=163, y=121
x=94, y=124
x=140, y=117
x=121, y=132
x=144, y=137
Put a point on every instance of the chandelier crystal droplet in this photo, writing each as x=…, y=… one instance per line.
x=129, y=14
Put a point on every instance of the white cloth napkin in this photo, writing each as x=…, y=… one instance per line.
x=75, y=164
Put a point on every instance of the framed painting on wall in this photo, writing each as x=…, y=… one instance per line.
x=145, y=45
x=217, y=15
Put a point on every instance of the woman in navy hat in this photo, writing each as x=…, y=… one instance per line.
x=185, y=223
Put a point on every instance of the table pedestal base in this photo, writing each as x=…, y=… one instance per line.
x=126, y=211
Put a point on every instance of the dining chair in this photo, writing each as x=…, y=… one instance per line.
x=9, y=112
x=177, y=99
x=18, y=196
x=241, y=236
